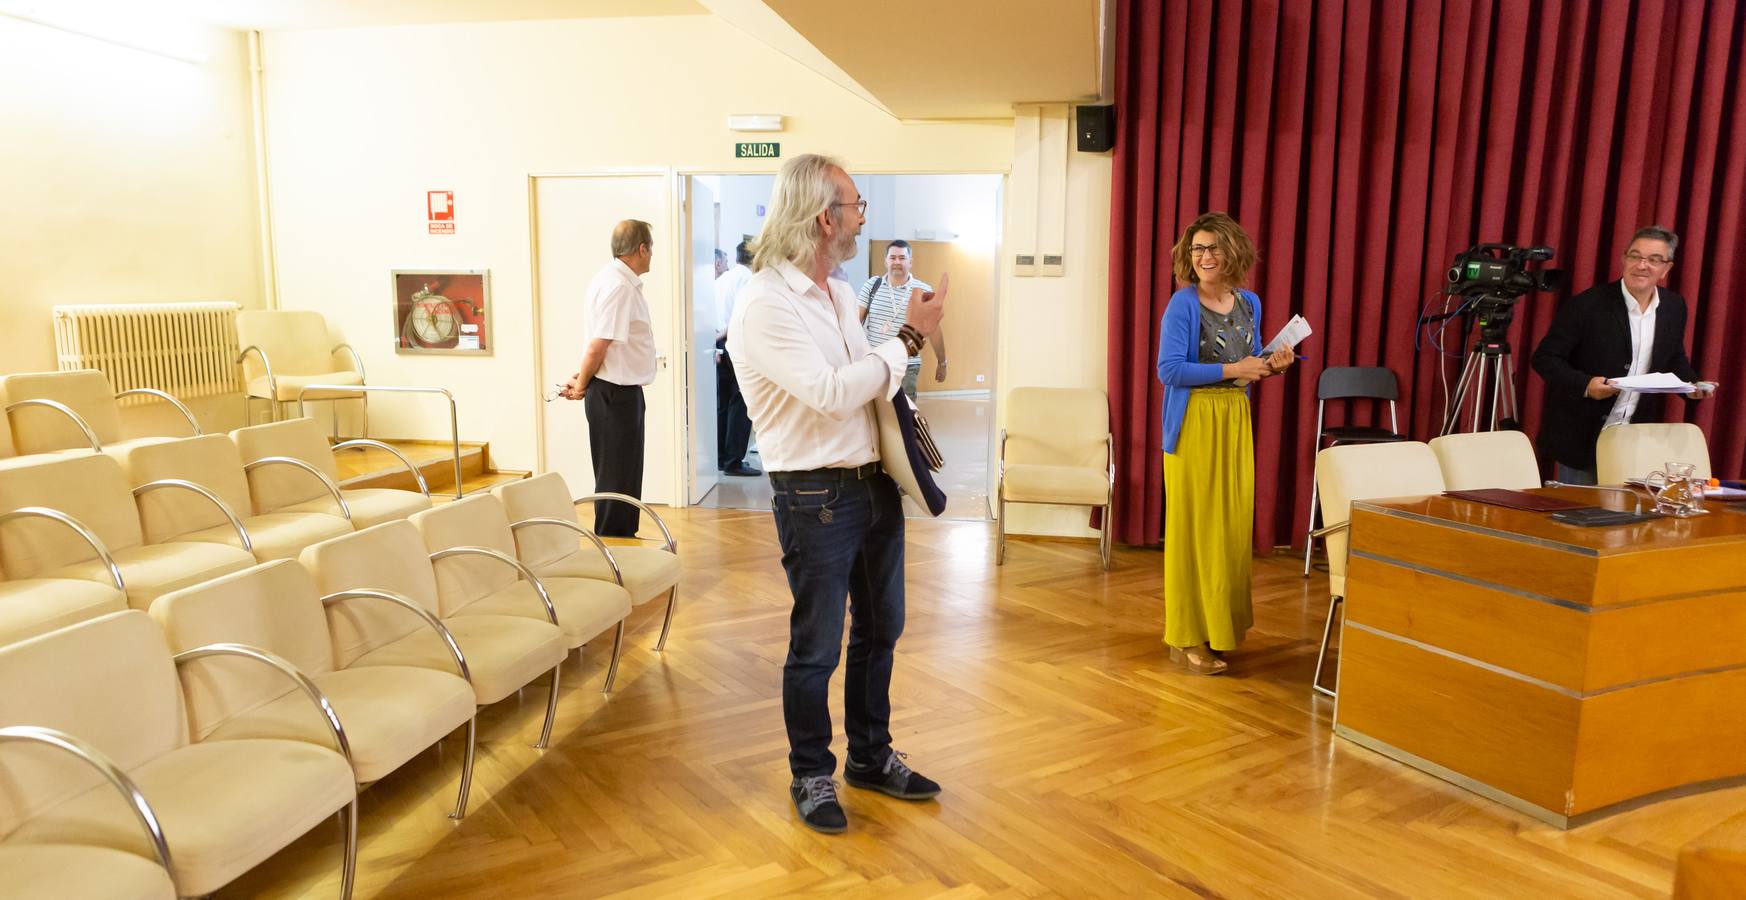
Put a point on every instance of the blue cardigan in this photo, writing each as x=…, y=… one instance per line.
x=1179, y=368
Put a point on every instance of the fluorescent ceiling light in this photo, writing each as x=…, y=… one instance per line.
x=757, y=122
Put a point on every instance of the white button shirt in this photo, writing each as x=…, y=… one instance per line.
x=1642, y=322
x=727, y=289
x=615, y=309
x=806, y=371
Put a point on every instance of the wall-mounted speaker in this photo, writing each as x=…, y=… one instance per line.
x=1096, y=129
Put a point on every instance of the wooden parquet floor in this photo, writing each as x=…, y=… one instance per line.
x=1076, y=761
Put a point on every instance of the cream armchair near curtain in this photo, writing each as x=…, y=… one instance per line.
x=1056, y=449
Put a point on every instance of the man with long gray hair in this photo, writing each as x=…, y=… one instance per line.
x=809, y=381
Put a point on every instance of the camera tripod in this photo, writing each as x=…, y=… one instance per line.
x=1490, y=357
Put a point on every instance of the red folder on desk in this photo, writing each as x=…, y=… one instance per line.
x=1516, y=500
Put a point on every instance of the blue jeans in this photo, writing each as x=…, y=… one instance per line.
x=841, y=536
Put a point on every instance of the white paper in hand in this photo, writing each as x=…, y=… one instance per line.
x=1289, y=336
x=1653, y=383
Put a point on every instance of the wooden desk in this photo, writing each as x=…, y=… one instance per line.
x=1556, y=669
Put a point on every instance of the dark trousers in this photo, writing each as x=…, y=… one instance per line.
x=615, y=445
x=841, y=536
x=733, y=428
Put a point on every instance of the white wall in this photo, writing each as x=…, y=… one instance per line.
x=1054, y=330
x=125, y=177
x=362, y=122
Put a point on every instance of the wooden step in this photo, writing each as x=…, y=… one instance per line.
x=478, y=484
x=370, y=467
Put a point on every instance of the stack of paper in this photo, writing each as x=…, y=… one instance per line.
x=1653, y=383
x=1290, y=336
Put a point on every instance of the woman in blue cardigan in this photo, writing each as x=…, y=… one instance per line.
x=1208, y=354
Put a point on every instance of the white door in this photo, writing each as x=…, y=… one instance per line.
x=702, y=220
x=574, y=217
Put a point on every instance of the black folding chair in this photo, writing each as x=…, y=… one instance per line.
x=1349, y=383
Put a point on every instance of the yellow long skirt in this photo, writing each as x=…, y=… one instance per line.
x=1209, y=518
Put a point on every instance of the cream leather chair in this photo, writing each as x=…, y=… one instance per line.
x=222, y=806
x=34, y=606
x=546, y=528
x=1634, y=450
x=390, y=713
x=54, y=411
x=292, y=469
x=473, y=551
x=504, y=653
x=195, y=489
x=1056, y=448
x=1487, y=459
x=1363, y=472
x=59, y=871
x=285, y=350
x=92, y=489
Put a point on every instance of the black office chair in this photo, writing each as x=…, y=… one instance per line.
x=1349, y=383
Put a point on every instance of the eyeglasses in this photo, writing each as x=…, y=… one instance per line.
x=1657, y=260
x=860, y=205
x=1201, y=249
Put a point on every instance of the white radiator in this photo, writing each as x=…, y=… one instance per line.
x=184, y=349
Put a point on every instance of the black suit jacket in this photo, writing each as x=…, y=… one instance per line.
x=1591, y=335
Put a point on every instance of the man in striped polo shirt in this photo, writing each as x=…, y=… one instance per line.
x=885, y=307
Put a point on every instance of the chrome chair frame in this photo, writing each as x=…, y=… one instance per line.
x=617, y=577
x=1335, y=602
x=223, y=507
x=349, y=821
x=1103, y=539
x=672, y=546
x=466, y=674
x=63, y=409
x=112, y=773
x=551, y=615
x=333, y=490
x=90, y=537
x=362, y=443
x=273, y=400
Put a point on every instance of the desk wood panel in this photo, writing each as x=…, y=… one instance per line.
x=1658, y=736
x=1666, y=638
x=1550, y=571
x=1535, y=638
x=1498, y=730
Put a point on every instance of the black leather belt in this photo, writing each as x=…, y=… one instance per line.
x=844, y=473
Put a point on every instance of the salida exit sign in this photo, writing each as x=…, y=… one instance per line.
x=758, y=150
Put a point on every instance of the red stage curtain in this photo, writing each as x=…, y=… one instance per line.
x=1364, y=143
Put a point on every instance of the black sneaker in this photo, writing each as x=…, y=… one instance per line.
x=892, y=778
x=815, y=798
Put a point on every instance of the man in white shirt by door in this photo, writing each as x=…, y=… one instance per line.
x=809, y=380
x=733, y=428
x=617, y=361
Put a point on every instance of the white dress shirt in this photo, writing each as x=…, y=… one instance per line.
x=727, y=287
x=615, y=310
x=1642, y=322
x=806, y=371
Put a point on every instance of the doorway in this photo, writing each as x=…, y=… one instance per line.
x=573, y=217
x=952, y=224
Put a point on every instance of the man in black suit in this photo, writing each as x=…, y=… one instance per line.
x=1626, y=327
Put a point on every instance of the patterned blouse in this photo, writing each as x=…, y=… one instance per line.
x=1226, y=337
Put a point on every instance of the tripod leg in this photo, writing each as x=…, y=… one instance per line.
x=1452, y=416
x=1510, y=386
x=1498, y=387
x=1478, y=393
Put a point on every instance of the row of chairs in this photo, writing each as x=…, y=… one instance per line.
x=394, y=634
x=86, y=530
x=1457, y=462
